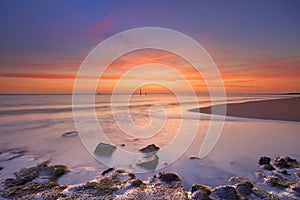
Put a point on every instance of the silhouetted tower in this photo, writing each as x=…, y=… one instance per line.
x=140, y=91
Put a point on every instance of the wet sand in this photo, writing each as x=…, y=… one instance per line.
x=278, y=109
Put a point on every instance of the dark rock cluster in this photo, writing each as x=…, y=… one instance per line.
x=281, y=177
x=40, y=182
x=34, y=180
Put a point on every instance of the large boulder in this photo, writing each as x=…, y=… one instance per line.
x=104, y=150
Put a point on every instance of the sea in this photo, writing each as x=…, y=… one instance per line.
x=36, y=124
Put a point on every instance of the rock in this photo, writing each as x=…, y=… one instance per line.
x=104, y=150
x=280, y=182
x=295, y=188
x=34, y=180
x=282, y=171
x=1, y=168
x=136, y=182
x=267, y=167
x=200, y=192
x=242, y=186
x=153, y=193
x=262, y=194
x=103, y=188
x=70, y=134
x=224, y=193
x=264, y=161
x=168, y=177
x=164, y=179
x=244, y=189
x=199, y=195
x=286, y=162
x=148, y=162
x=107, y=171
x=194, y=158
x=204, y=188
x=152, y=148
x=235, y=180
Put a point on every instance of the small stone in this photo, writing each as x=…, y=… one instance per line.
x=165, y=163
x=70, y=134
x=107, y=171
x=264, y=161
x=136, y=182
x=295, y=188
x=1, y=168
x=194, y=158
x=267, y=167
x=152, y=148
x=224, y=193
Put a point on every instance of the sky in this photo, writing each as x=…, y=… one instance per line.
x=255, y=44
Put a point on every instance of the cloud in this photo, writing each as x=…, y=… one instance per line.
x=103, y=26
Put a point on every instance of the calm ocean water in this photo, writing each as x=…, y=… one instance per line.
x=36, y=123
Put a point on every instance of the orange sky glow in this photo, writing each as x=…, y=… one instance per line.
x=262, y=77
x=256, y=51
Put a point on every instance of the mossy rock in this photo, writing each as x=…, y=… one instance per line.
x=26, y=176
x=132, y=175
x=281, y=182
x=31, y=188
x=137, y=183
x=199, y=187
x=59, y=170
x=102, y=188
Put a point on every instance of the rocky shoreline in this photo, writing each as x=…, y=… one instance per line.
x=277, y=179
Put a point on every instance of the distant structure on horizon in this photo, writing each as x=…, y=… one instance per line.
x=141, y=92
